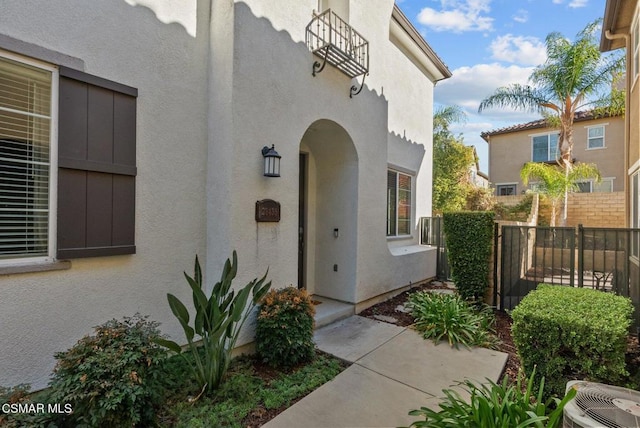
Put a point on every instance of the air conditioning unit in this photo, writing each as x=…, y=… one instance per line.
x=597, y=405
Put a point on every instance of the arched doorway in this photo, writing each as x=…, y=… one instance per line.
x=328, y=212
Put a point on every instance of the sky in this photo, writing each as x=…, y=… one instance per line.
x=491, y=43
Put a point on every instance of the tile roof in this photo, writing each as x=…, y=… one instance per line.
x=540, y=123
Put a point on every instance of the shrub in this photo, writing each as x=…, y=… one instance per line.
x=469, y=236
x=493, y=405
x=480, y=199
x=447, y=316
x=284, y=332
x=112, y=377
x=218, y=322
x=572, y=333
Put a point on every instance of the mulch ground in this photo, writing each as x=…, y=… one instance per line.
x=502, y=326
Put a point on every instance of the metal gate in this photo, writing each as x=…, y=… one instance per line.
x=598, y=258
x=432, y=233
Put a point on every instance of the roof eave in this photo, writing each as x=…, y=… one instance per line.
x=438, y=68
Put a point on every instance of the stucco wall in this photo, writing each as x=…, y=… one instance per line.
x=509, y=152
x=160, y=54
x=217, y=81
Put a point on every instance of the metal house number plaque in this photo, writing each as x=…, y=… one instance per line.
x=267, y=210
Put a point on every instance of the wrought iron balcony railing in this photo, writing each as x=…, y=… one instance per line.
x=336, y=42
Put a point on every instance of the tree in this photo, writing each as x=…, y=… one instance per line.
x=451, y=162
x=575, y=76
x=555, y=182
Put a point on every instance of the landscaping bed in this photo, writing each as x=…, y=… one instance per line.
x=390, y=309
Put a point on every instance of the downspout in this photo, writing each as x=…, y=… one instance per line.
x=627, y=123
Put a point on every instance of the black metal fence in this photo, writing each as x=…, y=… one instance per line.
x=600, y=258
x=432, y=233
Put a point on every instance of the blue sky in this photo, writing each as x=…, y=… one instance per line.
x=491, y=43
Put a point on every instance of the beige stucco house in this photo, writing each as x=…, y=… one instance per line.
x=597, y=140
x=132, y=136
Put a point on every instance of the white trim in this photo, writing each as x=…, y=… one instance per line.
x=53, y=162
x=548, y=135
x=604, y=136
x=634, y=167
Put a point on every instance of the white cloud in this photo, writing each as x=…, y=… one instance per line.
x=521, y=16
x=578, y=3
x=557, y=1
x=458, y=16
x=518, y=49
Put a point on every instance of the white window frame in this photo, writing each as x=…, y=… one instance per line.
x=548, y=135
x=395, y=233
x=593, y=183
x=604, y=139
x=499, y=185
x=53, y=163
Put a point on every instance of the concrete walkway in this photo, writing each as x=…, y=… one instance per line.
x=394, y=371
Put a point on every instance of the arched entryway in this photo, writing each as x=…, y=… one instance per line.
x=328, y=211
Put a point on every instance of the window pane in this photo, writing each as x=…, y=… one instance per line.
x=391, y=203
x=506, y=190
x=584, y=187
x=604, y=186
x=404, y=204
x=541, y=148
x=553, y=147
x=596, y=132
x=25, y=110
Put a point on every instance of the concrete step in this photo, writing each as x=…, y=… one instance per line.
x=329, y=310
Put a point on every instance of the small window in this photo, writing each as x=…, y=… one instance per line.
x=584, y=187
x=545, y=148
x=590, y=186
x=595, y=137
x=398, y=203
x=506, y=189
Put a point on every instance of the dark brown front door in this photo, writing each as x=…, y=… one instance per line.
x=302, y=219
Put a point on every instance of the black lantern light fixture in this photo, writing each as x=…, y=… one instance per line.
x=271, y=161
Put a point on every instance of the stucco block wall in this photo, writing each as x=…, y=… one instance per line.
x=509, y=152
x=588, y=209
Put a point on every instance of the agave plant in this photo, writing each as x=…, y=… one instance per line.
x=218, y=321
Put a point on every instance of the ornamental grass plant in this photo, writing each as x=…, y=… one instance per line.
x=449, y=317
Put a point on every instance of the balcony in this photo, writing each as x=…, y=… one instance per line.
x=334, y=41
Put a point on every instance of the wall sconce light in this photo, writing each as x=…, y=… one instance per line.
x=271, y=161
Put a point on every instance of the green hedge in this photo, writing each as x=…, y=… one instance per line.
x=469, y=236
x=572, y=333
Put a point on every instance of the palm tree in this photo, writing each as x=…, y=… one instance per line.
x=554, y=181
x=571, y=79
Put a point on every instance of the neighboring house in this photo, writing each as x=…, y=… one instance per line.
x=621, y=29
x=477, y=178
x=598, y=140
x=131, y=138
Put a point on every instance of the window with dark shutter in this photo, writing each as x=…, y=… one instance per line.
x=97, y=166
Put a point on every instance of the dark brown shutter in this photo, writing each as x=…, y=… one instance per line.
x=96, y=166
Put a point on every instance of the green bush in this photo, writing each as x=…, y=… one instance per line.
x=218, y=322
x=493, y=405
x=284, y=332
x=447, y=316
x=469, y=236
x=113, y=377
x=572, y=333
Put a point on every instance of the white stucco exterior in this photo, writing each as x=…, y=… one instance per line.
x=217, y=81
